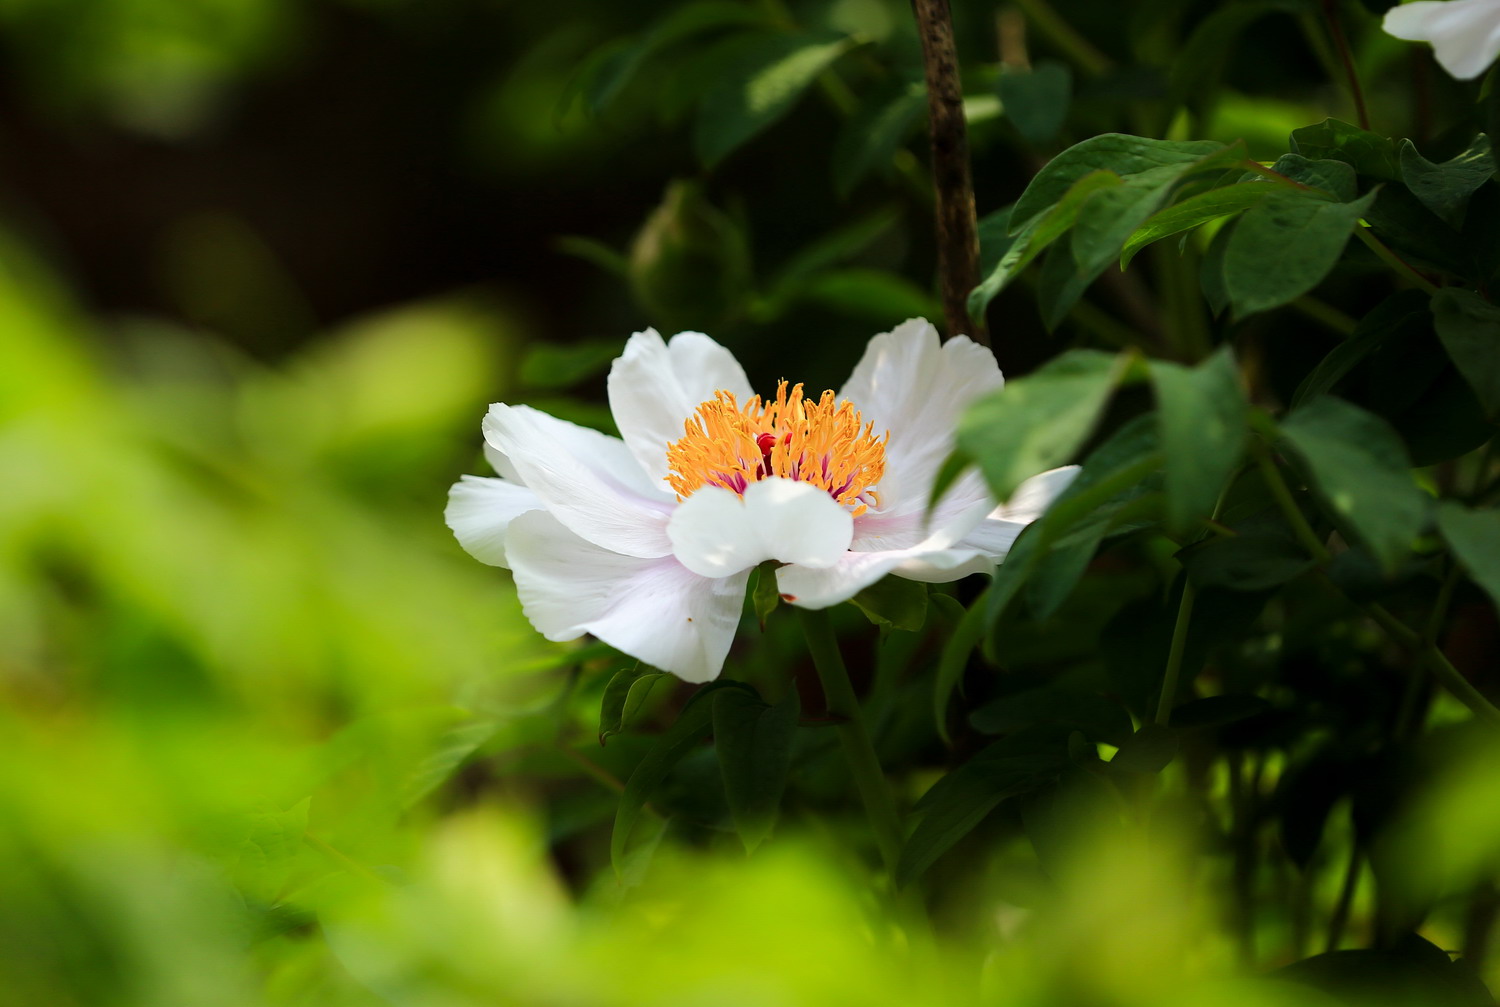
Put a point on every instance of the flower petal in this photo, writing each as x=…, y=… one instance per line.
x=997, y=532
x=653, y=609
x=588, y=480
x=715, y=533
x=480, y=510
x=961, y=508
x=910, y=383
x=855, y=571
x=1465, y=34
x=655, y=386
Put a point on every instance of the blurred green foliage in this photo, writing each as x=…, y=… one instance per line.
x=271, y=738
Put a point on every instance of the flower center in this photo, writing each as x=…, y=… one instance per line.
x=825, y=443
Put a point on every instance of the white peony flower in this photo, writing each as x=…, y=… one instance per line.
x=1465, y=34
x=647, y=542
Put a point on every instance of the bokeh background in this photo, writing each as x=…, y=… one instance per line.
x=266, y=734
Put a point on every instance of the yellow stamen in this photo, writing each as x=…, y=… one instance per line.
x=825, y=443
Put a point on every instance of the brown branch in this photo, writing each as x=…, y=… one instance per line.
x=957, y=229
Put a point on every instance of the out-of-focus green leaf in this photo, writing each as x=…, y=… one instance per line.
x=1202, y=414
x=1469, y=327
x=1284, y=246
x=875, y=294
x=1254, y=559
x=1148, y=750
x=271, y=844
x=955, y=658
x=1475, y=538
x=1397, y=315
x=839, y=245
x=1369, y=154
x=1445, y=188
x=754, y=745
x=675, y=743
x=759, y=80
x=1128, y=156
x=626, y=692
x=1217, y=711
x=455, y=746
x=690, y=261
x=1098, y=717
x=1361, y=471
x=895, y=602
x=1038, y=422
x=554, y=366
x=1035, y=100
x=869, y=141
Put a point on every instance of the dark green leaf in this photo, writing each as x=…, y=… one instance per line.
x=955, y=658
x=1120, y=153
x=1418, y=235
x=1255, y=559
x=1284, y=246
x=1202, y=414
x=1469, y=327
x=1194, y=212
x=556, y=366
x=1098, y=717
x=623, y=697
x=1362, y=473
x=1475, y=538
x=1060, y=285
x=1211, y=270
x=679, y=739
x=1036, y=100
x=1337, y=178
x=1039, y=422
x=838, y=246
x=875, y=294
x=1216, y=711
x=1396, y=316
x=759, y=80
x=1445, y=188
x=1368, y=153
x=1413, y=971
x=869, y=141
x=1149, y=750
x=754, y=745
x=895, y=602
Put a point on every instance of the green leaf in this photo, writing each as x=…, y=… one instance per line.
x=876, y=294
x=1283, y=248
x=454, y=746
x=995, y=243
x=1475, y=538
x=1194, y=212
x=1040, y=421
x=1098, y=717
x=1256, y=558
x=960, y=801
x=754, y=746
x=895, y=602
x=1202, y=413
x=623, y=696
x=1445, y=188
x=1120, y=153
x=1337, y=178
x=1396, y=316
x=763, y=594
x=553, y=366
x=1211, y=271
x=869, y=140
x=839, y=245
x=1362, y=473
x=265, y=856
x=1469, y=327
x=675, y=743
x=1036, y=100
x=1217, y=711
x=1369, y=154
x=759, y=81
x=1147, y=751
x=955, y=657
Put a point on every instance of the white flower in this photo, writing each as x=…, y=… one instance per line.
x=1465, y=34
x=647, y=542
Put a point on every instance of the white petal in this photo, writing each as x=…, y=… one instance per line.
x=588, y=480
x=910, y=383
x=856, y=571
x=1465, y=34
x=962, y=508
x=479, y=510
x=652, y=609
x=997, y=533
x=716, y=533
x=654, y=387
x=501, y=464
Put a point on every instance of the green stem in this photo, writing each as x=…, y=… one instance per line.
x=1390, y=258
x=1174, y=656
x=864, y=765
x=1288, y=504
x=1340, y=917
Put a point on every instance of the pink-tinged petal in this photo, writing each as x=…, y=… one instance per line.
x=961, y=509
x=588, y=480
x=915, y=386
x=1465, y=34
x=479, y=512
x=715, y=533
x=997, y=532
x=655, y=386
x=652, y=609
x=855, y=571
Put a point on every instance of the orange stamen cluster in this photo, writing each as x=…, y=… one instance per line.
x=825, y=443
